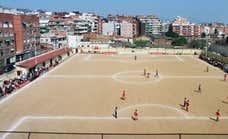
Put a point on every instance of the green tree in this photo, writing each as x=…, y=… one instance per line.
x=141, y=43
x=179, y=41
x=198, y=44
x=171, y=34
x=216, y=31
x=203, y=35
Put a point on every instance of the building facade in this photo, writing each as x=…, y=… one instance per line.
x=184, y=28
x=7, y=41
x=27, y=34
x=152, y=25
x=126, y=30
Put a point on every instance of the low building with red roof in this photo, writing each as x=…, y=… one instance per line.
x=46, y=60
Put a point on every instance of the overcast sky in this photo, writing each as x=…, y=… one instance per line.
x=195, y=10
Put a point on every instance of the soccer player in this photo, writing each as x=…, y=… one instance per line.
x=156, y=73
x=187, y=105
x=207, y=69
x=135, y=115
x=217, y=114
x=185, y=101
x=144, y=72
x=199, y=88
x=225, y=76
x=123, y=96
x=115, y=114
x=148, y=75
x=135, y=57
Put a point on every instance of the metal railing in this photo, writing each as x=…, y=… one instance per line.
x=102, y=135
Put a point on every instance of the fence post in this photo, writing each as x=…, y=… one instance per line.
x=179, y=136
x=29, y=135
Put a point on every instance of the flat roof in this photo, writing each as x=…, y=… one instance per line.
x=32, y=62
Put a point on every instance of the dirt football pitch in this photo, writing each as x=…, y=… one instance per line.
x=79, y=96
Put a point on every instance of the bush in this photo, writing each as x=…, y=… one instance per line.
x=214, y=57
x=141, y=43
x=180, y=41
x=198, y=44
x=171, y=34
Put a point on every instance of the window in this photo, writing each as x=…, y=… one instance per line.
x=6, y=33
x=1, y=43
x=5, y=24
x=10, y=24
x=1, y=53
x=7, y=42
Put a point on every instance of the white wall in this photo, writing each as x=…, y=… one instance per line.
x=108, y=28
x=126, y=29
x=74, y=41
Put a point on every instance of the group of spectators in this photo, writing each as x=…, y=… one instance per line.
x=213, y=61
x=8, y=86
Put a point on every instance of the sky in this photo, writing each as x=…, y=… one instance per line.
x=195, y=10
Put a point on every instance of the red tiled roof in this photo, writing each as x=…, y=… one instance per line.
x=32, y=62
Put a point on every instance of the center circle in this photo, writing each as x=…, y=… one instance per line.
x=135, y=77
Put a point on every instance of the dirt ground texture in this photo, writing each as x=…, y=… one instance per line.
x=80, y=96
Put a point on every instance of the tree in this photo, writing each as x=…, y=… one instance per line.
x=203, y=35
x=198, y=44
x=179, y=41
x=216, y=31
x=171, y=34
x=141, y=43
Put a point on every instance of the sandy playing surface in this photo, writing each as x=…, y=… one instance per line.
x=80, y=96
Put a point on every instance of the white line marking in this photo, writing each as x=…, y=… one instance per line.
x=120, y=118
x=180, y=59
x=131, y=76
x=79, y=76
x=133, y=61
x=13, y=127
x=26, y=118
x=33, y=82
x=190, y=77
x=88, y=57
x=118, y=77
x=185, y=115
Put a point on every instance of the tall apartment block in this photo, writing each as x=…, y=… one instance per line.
x=19, y=38
x=7, y=41
x=151, y=25
x=27, y=36
x=184, y=28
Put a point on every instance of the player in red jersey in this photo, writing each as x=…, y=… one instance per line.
x=135, y=115
x=123, y=96
x=225, y=76
x=187, y=105
x=217, y=114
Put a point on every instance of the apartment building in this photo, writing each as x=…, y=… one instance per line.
x=126, y=29
x=151, y=24
x=184, y=28
x=7, y=41
x=27, y=36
